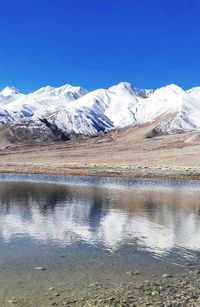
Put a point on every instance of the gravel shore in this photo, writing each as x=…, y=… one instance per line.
x=164, y=291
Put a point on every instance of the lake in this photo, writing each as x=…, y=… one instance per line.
x=71, y=233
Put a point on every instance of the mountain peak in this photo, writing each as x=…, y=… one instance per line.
x=62, y=90
x=172, y=88
x=122, y=87
x=125, y=84
x=9, y=91
x=71, y=88
x=126, y=87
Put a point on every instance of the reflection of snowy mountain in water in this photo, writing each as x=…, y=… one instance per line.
x=108, y=218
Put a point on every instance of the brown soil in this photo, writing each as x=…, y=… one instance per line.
x=129, y=152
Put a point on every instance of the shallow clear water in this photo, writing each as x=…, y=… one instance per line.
x=88, y=230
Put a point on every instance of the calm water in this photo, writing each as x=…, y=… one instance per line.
x=93, y=230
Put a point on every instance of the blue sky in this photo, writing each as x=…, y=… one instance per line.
x=97, y=43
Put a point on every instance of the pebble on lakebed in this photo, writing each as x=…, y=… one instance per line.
x=12, y=301
x=130, y=273
x=40, y=268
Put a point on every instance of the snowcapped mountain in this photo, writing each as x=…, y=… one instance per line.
x=80, y=121
x=118, y=103
x=44, y=101
x=194, y=92
x=187, y=117
x=73, y=110
x=9, y=94
x=4, y=116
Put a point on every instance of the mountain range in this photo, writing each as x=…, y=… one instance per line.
x=51, y=113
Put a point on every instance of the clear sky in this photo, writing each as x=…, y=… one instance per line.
x=98, y=43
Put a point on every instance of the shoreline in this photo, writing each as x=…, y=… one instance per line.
x=116, y=172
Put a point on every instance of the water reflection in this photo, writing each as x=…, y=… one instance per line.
x=156, y=221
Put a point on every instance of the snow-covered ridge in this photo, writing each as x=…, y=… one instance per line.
x=73, y=109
